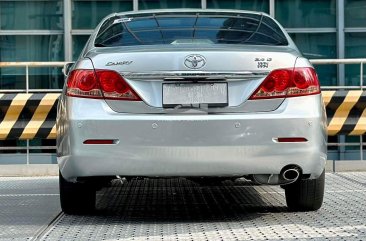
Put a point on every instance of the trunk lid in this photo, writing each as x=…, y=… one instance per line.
x=148, y=68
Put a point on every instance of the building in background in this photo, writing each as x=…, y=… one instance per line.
x=56, y=30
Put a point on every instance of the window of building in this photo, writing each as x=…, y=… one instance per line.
x=255, y=5
x=31, y=48
x=30, y=15
x=159, y=4
x=87, y=14
x=319, y=46
x=355, y=48
x=78, y=44
x=306, y=13
x=355, y=13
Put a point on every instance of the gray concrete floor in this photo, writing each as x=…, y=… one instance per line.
x=177, y=209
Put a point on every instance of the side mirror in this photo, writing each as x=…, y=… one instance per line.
x=67, y=67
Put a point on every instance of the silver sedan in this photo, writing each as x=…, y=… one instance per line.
x=205, y=95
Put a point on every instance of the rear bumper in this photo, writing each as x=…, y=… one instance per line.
x=189, y=145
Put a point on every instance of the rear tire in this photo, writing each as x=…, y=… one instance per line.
x=305, y=195
x=76, y=198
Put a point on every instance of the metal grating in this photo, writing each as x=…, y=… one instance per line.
x=26, y=204
x=177, y=209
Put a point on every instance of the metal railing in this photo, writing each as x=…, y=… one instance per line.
x=361, y=62
x=28, y=65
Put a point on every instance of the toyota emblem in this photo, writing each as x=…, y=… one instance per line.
x=194, y=61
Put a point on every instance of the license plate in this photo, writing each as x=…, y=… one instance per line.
x=213, y=94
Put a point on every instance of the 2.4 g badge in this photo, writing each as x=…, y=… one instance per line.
x=262, y=63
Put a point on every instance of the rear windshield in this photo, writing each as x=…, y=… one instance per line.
x=190, y=28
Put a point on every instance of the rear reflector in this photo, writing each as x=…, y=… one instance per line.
x=100, y=142
x=291, y=139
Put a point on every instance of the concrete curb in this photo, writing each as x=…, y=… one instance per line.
x=346, y=166
x=29, y=170
x=52, y=169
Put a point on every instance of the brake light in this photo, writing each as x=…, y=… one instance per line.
x=83, y=83
x=283, y=83
x=114, y=86
x=98, y=84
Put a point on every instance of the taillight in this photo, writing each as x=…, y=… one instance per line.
x=114, y=86
x=283, y=83
x=83, y=83
x=98, y=84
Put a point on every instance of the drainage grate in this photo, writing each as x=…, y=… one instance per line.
x=177, y=209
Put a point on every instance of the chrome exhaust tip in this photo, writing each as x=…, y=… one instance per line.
x=288, y=174
x=291, y=174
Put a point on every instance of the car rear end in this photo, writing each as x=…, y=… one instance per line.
x=192, y=94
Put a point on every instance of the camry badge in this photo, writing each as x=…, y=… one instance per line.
x=194, y=61
x=119, y=63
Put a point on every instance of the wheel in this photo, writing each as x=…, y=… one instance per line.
x=305, y=195
x=76, y=198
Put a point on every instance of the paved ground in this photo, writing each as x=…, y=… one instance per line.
x=26, y=204
x=177, y=209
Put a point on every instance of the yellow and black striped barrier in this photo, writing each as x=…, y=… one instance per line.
x=29, y=116
x=346, y=112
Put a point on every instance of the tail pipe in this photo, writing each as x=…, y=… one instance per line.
x=291, y=173
x=288, y=174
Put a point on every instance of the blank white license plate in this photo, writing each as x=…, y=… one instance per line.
x=195, y=93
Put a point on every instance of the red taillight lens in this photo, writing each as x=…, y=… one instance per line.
x=114, y=86
x=98, y=84
x=83, y=83
x=283, y=83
